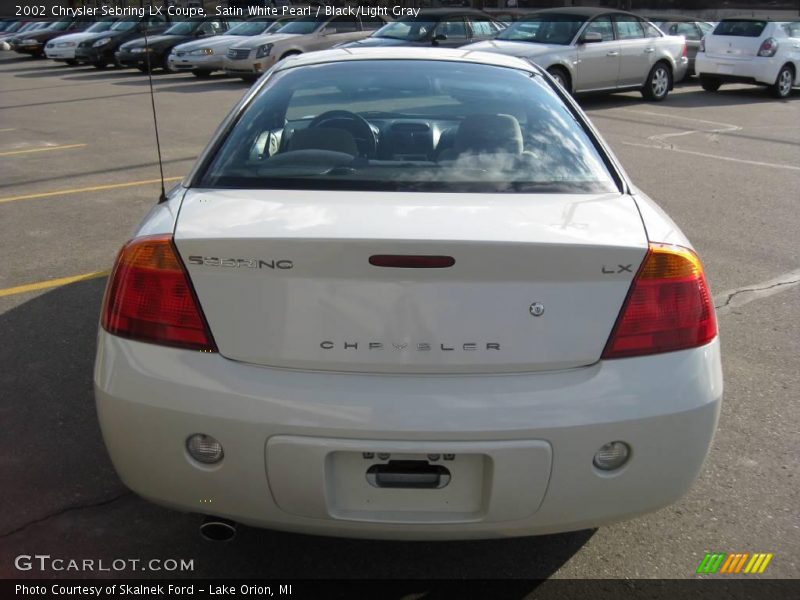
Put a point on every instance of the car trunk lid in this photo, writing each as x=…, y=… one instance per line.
x=285, y=277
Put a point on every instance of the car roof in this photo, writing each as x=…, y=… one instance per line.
x=581, y=11
x=671, y=18
x=407, y=53
x=443, y=12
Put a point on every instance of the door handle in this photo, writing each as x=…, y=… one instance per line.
x=649, y=50
x=612, y=53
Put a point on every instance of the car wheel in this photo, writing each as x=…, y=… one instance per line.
x=248, y=78
x=710, y=84
x=782, y=87
x=165, y=64
x=658, y=83
x=142, y=68
x=99, y=64
x=561, y=76
x=72, y=62
x=202, y=73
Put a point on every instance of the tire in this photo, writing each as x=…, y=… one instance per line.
x=248, y=78
x=562, y=77
x=99, y=64
x=659, y=81
x=165, y=65
x=142, y=68
x=201, y=73
x=709, y=84
x=72, y=62
x=782, y=88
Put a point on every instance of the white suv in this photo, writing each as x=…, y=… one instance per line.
x=755, y=51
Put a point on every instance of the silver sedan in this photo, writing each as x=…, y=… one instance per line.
x=593, y=50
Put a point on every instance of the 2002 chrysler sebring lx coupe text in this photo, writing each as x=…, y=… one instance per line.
x=408, y=294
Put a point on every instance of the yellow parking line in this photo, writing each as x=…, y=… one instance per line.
x=30, y=150
x=96, y=188
x=51, y=283
x=7, y=129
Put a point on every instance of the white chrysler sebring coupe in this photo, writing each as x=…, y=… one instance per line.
x=408, y=293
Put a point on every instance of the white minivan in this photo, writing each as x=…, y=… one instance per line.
x=747, y=50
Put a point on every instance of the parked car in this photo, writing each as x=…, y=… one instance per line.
x=99, y=49
x=755, y=51
x=446, y=27
x=9, y=22
x=251, y=57
x=692, y=29
x=12, y=38
x=507, y=15
x=438, y=310
x=593, y=49
x=62, y=48
x=135, y=53
x=203, y=57
x=33, y=42
x=14, y=28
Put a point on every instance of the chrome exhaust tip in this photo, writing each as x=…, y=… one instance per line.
x=217, y=529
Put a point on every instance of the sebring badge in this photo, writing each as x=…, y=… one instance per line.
x=537, y=309
x=247, y=263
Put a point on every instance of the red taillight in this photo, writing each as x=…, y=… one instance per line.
x=669, y=306
x=683, y=52
x=768, y=47
x=149, y=297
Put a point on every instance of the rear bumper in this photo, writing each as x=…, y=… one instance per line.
x=286, y=433
x=759, y=70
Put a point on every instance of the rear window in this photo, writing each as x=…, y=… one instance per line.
x=408, y=126
x=740, y=28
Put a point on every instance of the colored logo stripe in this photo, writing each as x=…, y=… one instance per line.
x=721, y=562
x=758, y=563
x=711, y=562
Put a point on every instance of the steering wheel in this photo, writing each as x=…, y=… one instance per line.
x=362, y=131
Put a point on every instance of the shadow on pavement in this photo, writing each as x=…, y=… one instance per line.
x=191, y=84
x=61, y=495
x=696, y=97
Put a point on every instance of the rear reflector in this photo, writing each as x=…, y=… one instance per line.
x=403, y=261
x=668, y=307
x=149, y=297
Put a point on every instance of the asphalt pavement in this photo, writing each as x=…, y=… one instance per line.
x=79, y=171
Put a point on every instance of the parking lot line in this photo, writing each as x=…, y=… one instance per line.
x=715, y=156
x=28, y=151
x=50, y=283
x=95, y=188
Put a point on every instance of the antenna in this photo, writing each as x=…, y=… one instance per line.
x=163, y=196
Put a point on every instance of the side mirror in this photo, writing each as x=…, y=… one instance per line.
x=200, y=34
x=326, y=30
x=591, y=37
x=439, y=37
